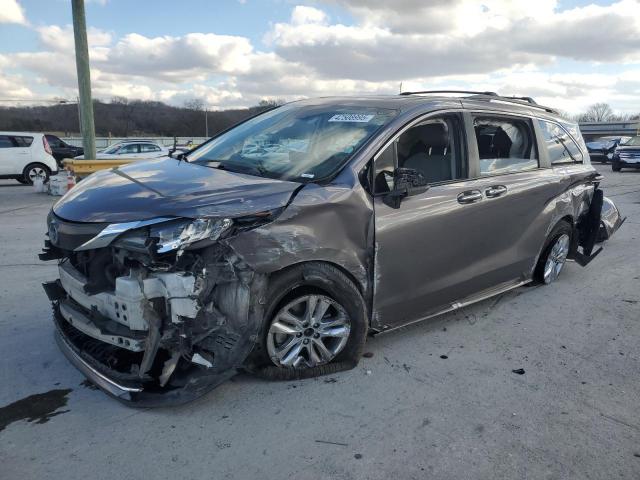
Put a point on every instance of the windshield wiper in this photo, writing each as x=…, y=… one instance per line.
x=257, y=169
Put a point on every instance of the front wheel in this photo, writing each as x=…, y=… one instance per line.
x=554, y=255
x=615, y=166
x=317, y=323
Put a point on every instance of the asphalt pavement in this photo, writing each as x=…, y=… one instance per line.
x=436, y=400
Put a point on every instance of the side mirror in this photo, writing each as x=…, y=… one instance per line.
x=406, y=182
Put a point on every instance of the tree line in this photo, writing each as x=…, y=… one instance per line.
x=602, y=112
x=121, y=117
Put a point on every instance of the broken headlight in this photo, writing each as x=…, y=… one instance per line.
x=175, y=235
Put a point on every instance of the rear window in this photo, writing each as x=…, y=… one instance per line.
x=505, y=145
x=560, y=145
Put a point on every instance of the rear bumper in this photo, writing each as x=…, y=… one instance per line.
x=628, y=164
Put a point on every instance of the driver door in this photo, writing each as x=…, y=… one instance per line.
x=431, y=251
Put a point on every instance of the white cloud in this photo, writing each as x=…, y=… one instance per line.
x=60, y=39
x=12, y=12
x=498, y=45
x=172, y=57
x=439, y=38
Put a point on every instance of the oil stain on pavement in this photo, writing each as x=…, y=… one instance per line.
x=37, y=408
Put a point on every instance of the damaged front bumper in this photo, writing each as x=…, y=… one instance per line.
x=156, y=334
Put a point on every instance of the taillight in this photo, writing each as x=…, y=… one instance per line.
x=46, y=146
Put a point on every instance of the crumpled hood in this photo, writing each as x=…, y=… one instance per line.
x=166, y=187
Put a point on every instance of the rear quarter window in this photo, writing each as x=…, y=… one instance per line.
x=561, y=146
x=23, y=141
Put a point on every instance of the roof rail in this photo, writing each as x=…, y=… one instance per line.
x=525, y=101
x=470, y=92
x=491, y=96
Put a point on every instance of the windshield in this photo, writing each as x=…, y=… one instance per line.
x=294, y=142
x=112, y=149
x=633, y=141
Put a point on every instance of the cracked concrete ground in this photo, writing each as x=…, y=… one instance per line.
x=405, y=412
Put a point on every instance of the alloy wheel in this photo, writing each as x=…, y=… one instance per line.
x=308, y=331
x=556, y=259
x=36, y=172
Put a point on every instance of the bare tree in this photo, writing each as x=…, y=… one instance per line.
x=598, y=112
x=196, y=104
x=269, y=103
x=127, y=110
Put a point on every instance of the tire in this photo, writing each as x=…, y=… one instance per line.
x=34, y=169
x=328, y=284
x=615, y=166
x=561, y=234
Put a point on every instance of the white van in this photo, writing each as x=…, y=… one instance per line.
x=25, y=156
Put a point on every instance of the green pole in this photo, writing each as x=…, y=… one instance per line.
x=84, y=79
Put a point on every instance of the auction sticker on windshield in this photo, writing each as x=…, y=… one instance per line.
x=351, y=117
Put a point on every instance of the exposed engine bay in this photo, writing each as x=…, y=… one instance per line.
x=150, y=319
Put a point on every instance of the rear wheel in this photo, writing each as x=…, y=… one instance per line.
x=555, y=253
x=35, y=170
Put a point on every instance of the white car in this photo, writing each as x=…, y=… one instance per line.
x=132, y=149
x=25, y=156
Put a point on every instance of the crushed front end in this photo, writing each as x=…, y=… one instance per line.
x=154, y=312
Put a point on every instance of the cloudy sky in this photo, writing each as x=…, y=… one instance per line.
x=565, y=53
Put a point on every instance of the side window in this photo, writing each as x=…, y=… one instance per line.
x=6, y=142
x=147, y=147
x=433, y=148
x=131, y=148
x=23, y=141
x=505, y=145
x=561, y=147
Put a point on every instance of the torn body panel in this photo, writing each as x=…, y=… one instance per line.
x=331, y=224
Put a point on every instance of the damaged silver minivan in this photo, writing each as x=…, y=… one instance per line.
x=279, y=244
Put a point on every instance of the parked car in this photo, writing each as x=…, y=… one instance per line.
x=627, y=155
x=61, y=149
x=278, y=245
x=25, y=156
x=132, y=149
x=601, y=150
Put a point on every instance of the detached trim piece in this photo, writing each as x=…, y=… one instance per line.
x=111, y=232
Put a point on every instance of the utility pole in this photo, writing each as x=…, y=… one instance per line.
x=84, y=79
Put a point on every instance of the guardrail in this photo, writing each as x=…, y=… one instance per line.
x=84, y=168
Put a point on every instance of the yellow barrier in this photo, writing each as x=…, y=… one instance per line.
x=83, y=168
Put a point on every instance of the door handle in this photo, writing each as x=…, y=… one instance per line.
x=495, y=191
x=470, y=196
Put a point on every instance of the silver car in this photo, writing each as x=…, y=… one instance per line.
x=279, y=245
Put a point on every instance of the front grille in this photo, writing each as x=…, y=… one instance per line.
x=70, y=235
